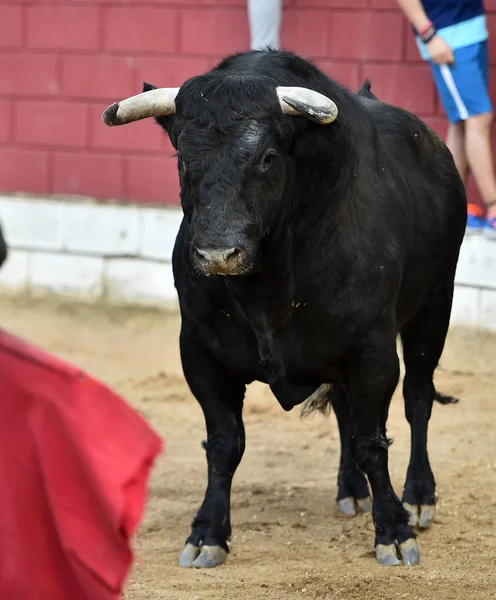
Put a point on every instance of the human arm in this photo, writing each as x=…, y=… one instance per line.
x=439, y=51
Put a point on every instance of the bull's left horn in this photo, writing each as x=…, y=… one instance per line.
x=158, y=102
x=307, y=103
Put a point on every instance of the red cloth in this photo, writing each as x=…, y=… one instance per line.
x=74, y=464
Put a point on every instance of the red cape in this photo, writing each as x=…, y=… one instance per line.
x=74, y=464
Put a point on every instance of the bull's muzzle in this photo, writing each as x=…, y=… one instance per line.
x=223, y=261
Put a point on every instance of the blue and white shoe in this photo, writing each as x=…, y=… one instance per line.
x=475, y=219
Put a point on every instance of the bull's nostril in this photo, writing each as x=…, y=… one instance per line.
x=202, y=254
x=218, y=255
x=220, y=260
x=231, y=254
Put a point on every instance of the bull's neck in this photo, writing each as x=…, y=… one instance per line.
x=272, y=287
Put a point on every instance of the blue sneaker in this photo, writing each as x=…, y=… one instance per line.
x=475, y=219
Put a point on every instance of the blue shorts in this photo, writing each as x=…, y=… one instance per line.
x=463, y=87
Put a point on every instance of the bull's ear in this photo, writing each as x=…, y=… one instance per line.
x=162, y=121
x=147, y=87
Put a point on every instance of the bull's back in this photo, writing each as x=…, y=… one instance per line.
x=435, y=205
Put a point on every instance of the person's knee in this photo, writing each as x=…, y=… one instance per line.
x=458, y=127
x=482, y=122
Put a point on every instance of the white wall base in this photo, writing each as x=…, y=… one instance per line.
x=94, y=252
x=122, y=254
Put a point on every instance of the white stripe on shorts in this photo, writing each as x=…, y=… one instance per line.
x=450, y=84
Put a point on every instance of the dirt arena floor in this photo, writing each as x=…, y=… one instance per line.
x=288, y=540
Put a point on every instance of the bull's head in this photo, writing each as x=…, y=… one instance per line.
x=233, y=145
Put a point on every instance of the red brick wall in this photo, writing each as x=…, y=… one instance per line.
x=63, y=61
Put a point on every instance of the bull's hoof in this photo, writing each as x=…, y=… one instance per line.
x=188, y=556
x=410, y=552
x=389, y=554
x=205, y=557
x=420, y=516
x=348, y=506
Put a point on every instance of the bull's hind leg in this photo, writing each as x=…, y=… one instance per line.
x=353, y=490
x=423, y=342
x=221, y=398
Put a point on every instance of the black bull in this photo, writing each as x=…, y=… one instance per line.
x=332, y=239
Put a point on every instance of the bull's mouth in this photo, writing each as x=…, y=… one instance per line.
x=222, y=261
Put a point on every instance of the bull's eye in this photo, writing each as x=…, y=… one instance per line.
x=268, y=160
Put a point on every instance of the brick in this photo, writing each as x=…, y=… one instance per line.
x=332, y=3
x=152, y=179
x=408, y=86
x=143, y=135
x=109, y=77
x=5, y=121
x=167, y=72
x=10, y=26
x=139, y=281
x=345, y=73
x=384, y=4
x=32, y=224
x=487, y=314
x=66, y=274
x=492, y=83
x=295, y=36
x=208, y=3
x=63, y=27
x=51, y=123
x=465, y=309
x=477, y=262
x=28, y=74
x=23, y=171
x=366, y=35
x=133, y=29
x=158, y=232
x=491, y=42
x=213, y=31
x=103, y=230
x=14, y=271
x=93, y=175
x=241, y=3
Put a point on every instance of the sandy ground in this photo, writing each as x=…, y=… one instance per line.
x=288, y=540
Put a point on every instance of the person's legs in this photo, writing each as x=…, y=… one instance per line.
x=264, y=18
x=480, y=158
x=464, y=94
x=455, y=140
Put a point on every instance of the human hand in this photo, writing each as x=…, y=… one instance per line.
x=439, y=51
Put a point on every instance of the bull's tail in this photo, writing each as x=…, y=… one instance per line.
x=442, y=399
x=319, y=401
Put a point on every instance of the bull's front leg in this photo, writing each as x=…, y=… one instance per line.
x=373, y=373
x=221, y=398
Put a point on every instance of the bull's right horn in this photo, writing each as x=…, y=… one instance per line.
x=307, y=103
x=158, y=102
